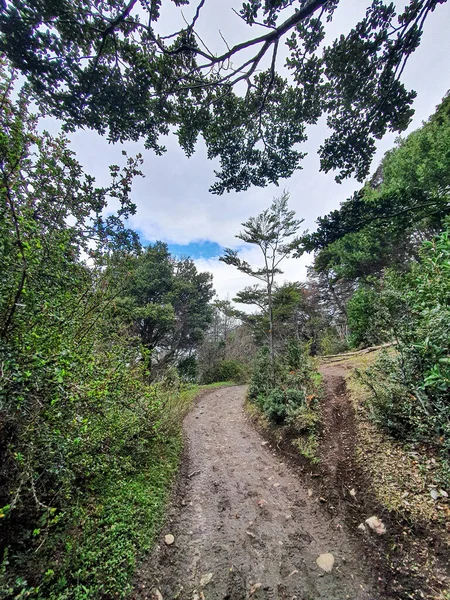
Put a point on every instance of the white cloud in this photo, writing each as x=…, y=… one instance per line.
x=228, y=280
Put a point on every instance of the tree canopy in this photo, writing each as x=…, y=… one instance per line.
x=166, y=301
x=405, y=202
x=108, y=66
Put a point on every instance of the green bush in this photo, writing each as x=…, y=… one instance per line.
x=411, y=387
x=260, y=383
x=274, y=406
x=305, y=418
x=391, y=403
x=331, y=343
x=188, y=369
x=308, y=447
x=285, y=406
x=226, y=370
x=297, y=384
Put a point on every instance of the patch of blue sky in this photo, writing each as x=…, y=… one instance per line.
x=197, y=249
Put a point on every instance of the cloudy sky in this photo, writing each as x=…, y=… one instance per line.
x=173, y=201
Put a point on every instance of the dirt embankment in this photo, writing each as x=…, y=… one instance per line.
x=244, y=524
x=362, y=473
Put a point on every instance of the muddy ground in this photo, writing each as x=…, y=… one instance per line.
x=246, y=524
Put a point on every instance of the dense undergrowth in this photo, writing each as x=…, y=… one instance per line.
x=89, y=436
x=410, y=385
x=291, y=400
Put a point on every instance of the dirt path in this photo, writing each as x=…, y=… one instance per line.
x=243, y=516
x=338, y=436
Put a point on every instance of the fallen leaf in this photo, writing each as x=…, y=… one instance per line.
x=255, y=587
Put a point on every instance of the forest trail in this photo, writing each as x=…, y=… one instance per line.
x=244, y=525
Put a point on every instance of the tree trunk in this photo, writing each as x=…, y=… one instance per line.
x=271, y=347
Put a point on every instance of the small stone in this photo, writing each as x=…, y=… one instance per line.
x=310, y=493
x=352, y=492
x=249, y=533
x=376, y=525
x=276, y=485
x=205, y=579
x=434, y=494
x=362, y=527
x=264, y=443
x=325, y=562
x=443, y=493
x=157, y=595
x=169, y=539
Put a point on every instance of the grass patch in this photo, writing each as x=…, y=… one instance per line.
x=308, y=447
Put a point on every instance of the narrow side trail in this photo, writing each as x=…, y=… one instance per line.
x=244, y=525
x=338, y=438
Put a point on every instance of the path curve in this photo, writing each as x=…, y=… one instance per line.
x=241, y=514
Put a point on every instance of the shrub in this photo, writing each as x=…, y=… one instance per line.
x=274, y=406
x=188, y=369
x=295, y=388
x=411, y=389
x=308, y=447
x=332, y=343
x=391, y=403
x=260, y=383
x=305, y=418
x=226, y=370
x=86, y=457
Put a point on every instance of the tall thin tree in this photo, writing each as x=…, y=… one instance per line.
x=273, y=232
